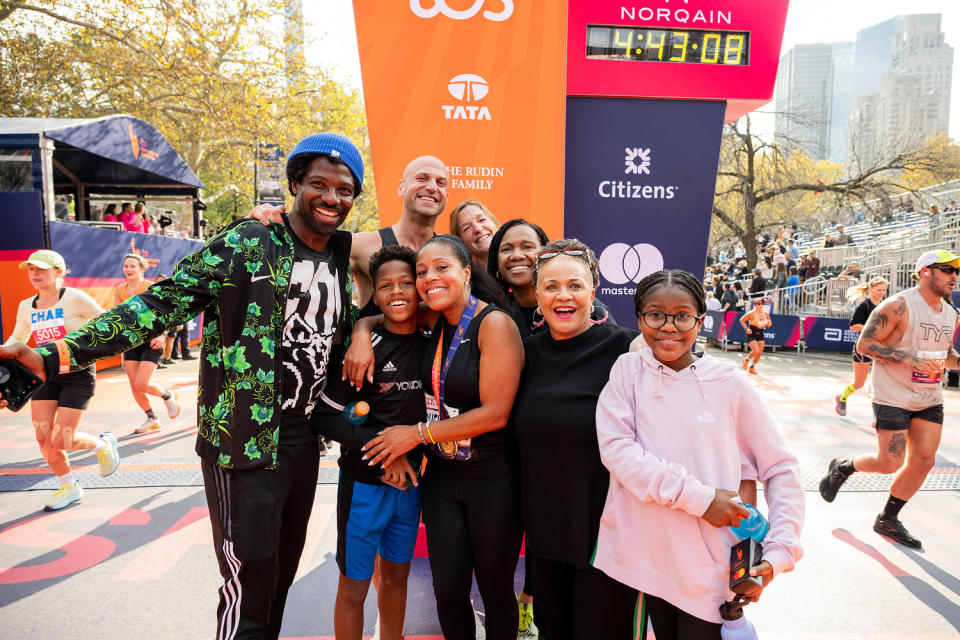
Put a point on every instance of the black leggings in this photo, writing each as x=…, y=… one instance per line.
x=670, y=623
x=473, y=527
x=583, y=603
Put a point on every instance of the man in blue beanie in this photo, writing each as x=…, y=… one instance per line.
x=283, y=290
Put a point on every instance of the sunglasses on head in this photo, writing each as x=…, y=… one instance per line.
x=553, y=253
x=946, y=268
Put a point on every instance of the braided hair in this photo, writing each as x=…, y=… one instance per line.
x=677, y=277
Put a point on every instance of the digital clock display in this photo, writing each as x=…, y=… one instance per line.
x=647, y=44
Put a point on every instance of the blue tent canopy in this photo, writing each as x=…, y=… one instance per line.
x=112, y=154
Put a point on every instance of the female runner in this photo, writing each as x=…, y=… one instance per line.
x=57, y=407
x=140, y=362
x=754, y=321
x=871, y=293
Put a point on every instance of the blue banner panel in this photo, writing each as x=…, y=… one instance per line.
x=712, y=326
x=639, y=185
x=829, y=333
x=21, y=218
x=783, y=332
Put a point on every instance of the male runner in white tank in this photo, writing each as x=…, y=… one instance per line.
x=910, y=338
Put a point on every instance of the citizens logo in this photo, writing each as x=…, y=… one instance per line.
x=637, y=161
x=622, y=263
x=439, y=7
x=467, y=88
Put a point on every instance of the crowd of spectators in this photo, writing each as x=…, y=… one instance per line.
x=133, y=217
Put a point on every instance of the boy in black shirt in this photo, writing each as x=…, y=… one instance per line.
x=373, y=515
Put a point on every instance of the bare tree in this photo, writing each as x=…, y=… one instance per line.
x=754, y=174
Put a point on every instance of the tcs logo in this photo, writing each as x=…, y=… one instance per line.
x=440, y=7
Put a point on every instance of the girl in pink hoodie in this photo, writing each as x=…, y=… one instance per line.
x=679, y=434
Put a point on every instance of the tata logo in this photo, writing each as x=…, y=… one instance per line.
x=637, y=161
x=467, y=87
x=139, y=146
x=622, y=263
x=833, y=334
x=439, y=7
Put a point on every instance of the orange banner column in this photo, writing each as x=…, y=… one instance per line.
x=477, y=83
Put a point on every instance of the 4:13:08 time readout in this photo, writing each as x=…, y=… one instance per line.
x=659, y=45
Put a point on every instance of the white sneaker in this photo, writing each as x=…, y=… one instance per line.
x=109, y=456
x=150, y=424
x=173, y=409
x=65, y=495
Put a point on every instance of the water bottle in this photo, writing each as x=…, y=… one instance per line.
x=356, y=412
x=738, y=629
x=753, y=526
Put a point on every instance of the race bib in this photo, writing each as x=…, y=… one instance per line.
x=46, y=325
x=939, y=358
x=452, y=450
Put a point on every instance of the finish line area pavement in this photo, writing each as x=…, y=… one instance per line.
x=135, y=554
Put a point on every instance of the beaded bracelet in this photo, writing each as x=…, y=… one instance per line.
x=420, y=431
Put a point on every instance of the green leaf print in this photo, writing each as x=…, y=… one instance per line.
x=251, y=449
x=261, y=413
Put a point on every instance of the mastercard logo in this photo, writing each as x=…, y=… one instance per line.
x=740, y=573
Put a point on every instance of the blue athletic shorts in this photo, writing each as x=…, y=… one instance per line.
x=372, y=519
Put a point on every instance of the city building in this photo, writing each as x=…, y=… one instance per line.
x=803, y=98
x=857, y=102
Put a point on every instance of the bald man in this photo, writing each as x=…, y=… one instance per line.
x=423, y=189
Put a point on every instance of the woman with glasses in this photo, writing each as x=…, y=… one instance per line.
x=513, y=255
x=754, y=322
x=564, y=482
x=470, y=488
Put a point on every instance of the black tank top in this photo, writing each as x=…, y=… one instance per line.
x=387, y=237
x=462, y=393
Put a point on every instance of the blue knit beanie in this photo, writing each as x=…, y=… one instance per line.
x=335, y=145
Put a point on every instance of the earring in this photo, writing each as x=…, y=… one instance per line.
x=537, y=312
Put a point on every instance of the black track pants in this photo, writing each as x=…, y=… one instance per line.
x=259, y=520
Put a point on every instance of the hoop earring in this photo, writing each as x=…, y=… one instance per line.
x=535, y=322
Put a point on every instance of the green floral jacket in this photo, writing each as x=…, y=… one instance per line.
x=240, y=280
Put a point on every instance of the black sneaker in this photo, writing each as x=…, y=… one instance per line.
x=895, y=530
x=832, y=482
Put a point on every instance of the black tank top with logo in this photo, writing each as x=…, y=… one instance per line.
x=462, y=393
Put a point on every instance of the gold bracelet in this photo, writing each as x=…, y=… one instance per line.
x=430, y=435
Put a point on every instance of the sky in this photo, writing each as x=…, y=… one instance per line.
x=332, y=42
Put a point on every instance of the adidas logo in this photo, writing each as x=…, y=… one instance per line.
x=388, y=367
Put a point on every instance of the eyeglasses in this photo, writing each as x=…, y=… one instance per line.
x=683, y=321
x=553, y=253
x=946, y=268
